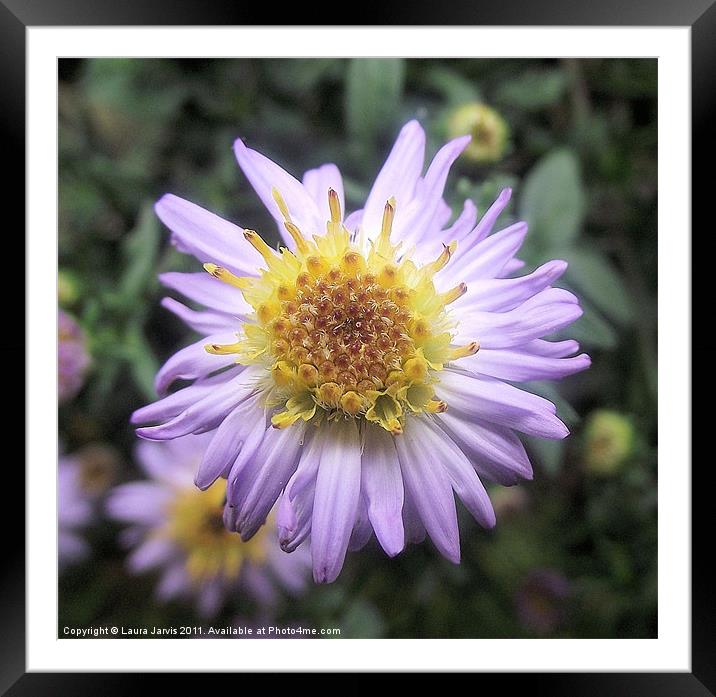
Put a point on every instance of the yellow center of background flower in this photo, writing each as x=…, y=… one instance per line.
x=195, y=524
x=343, y=331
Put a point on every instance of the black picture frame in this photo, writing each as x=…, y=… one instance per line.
x=700, y=15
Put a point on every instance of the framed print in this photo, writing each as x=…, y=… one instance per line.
x=374, y=336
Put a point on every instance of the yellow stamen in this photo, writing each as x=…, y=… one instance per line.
x=440, y=263
x=301, y=243
x=334, y=204
x=283, y=208
x=226, y=276
x=223, y=349
x=260, y=246
x=463, y=351
x=450, y=296
x=386, y=228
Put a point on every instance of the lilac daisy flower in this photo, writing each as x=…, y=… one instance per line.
x=179, y=529
x=74, y=513
x=72, y=358
x=364, y=372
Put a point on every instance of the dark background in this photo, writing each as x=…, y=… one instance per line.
x=582, y=161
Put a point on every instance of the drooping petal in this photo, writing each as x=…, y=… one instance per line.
x=484, y=227
x=295, y=508
x=201, y=322
x=194, y=362
x=265, y=175
x=206, y=236
x=522, y=366
x=502, y=294
x=382, y=484
x=544, y=313
x=487, y=258
x=317, y=183
x=396, y=179
x=495, y=451
x=208, y=412
x=429, y=488
x=362, y=530
x=247, y=419
x=336, y=500
x=257, y=478
x=467, y=485
x=419, y=218
x=177, y=402
x=501, y=403
x=552, y=349
x=206, y=290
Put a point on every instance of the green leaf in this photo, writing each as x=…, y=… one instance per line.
x=592, y=273
x=553, y=201
x=533, y=90
x=140, y=252
x=374, y=90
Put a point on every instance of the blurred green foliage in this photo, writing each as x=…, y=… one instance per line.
x=582, y=163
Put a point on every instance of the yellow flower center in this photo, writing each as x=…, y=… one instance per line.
x=345, y=331
x=195, y=524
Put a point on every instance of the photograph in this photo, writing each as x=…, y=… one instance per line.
x=357, y=348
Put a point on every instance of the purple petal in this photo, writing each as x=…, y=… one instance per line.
x=209, y=412
x=419, y=219
x=552, y=349
x=501, y=294
x=522, y=366
x=382, y=484
x=428, y=486
x=206, y=236
x=464, y=479
x=318, y=181
x=362, y=530
x=153, y=552
x=397, y=178
x=510, y=267
x=194, y=362
x=495, y=452
x=209, y=291
x=484, y=227
x=247, y=419
x=487, y=258
x=295, y=509
x=336, y=501
x=178, y=401
x=264, y=175
x=544, y=313
x=498, y=402
x=138, y=502
x=174, y=582
x=412, y=523
x=254, y=486
x=201, y=322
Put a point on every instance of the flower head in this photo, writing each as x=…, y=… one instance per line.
x=179, y=529
x=362, y=373
x=490, y=132
x=72, y=358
